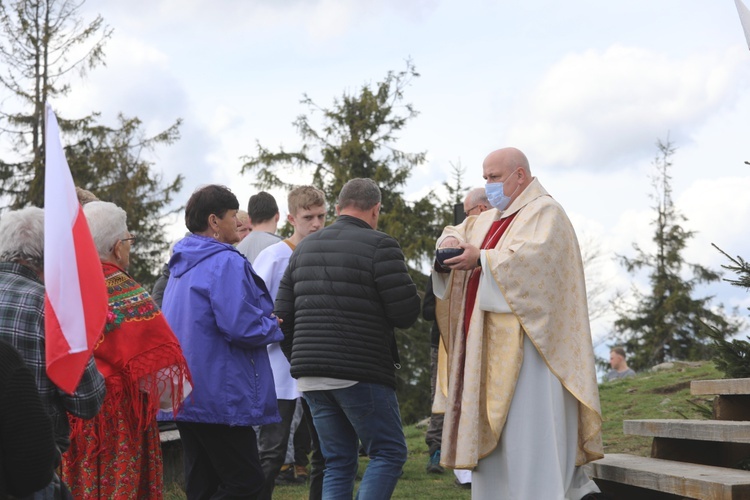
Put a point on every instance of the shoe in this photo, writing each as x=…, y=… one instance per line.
x=287, y=476
x=466, y=486
x=300, y=473
x=433, y=464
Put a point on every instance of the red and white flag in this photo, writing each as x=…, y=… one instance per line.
x=75, y=306
x=744, y=13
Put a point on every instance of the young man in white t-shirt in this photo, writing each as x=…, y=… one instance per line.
x=307, y=214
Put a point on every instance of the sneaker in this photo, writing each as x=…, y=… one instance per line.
x=433, y=464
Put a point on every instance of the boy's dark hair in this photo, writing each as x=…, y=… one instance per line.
x=262, y=207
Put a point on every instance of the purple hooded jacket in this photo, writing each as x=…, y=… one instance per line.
x=220, y=311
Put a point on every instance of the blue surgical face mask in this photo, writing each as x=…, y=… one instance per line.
x=496, y=195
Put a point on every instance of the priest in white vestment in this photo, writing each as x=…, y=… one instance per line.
x=517, y=377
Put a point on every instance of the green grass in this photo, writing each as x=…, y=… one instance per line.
x=414, y=484
x=649, y=395
x=659, y=395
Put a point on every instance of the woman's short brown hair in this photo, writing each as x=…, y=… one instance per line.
x=211, y=199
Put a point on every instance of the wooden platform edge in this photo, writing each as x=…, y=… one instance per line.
x=728, y=386
x=724, y=431
x=677, y=478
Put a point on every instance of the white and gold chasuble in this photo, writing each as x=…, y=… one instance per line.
x=532, y=284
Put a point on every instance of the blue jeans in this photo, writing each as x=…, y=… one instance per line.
x=363, y=412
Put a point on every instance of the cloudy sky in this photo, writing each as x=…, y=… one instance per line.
x=584, y=87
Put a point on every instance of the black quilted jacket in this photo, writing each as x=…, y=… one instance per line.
x=345, y=290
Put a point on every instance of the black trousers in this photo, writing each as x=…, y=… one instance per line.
x=272, y=445
x=434, y=435
x=221, y=462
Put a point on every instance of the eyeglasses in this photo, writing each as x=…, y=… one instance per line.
x=131, y=239
x=468, y=212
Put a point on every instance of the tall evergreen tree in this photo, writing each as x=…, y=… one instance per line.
x=357, y=137
x=732, y=357
x=112, y=164
x=666, y=322
x=44, y=43
x=456, y=193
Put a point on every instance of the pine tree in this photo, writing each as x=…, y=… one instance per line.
x=666, y=322
x=732, y=357
x=112, y=163
x=357, y=137
x=44, y=44
x=456, y=193
x=739, y=267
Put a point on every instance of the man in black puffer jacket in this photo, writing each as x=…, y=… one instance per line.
x=345, y=290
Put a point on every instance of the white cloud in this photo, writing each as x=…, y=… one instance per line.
x=717, y=210
x=601, y=108
x=219, y=20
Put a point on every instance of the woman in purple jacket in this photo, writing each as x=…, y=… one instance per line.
x=222, y=314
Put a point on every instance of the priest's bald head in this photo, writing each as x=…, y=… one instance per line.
x=507, y=174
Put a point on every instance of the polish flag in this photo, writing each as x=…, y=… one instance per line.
x=75, y=306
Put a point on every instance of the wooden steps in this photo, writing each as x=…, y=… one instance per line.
x=699, y=430
x=709, y=442
x=675, y=478
x=697, y=459
x=723, y=387
x=732, y=400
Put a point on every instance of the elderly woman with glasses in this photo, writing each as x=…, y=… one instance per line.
x=117, y=454
x=222, y=314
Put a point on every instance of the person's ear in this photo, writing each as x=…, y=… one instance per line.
x=117, y=250
x=290, y=219
x=338, y=212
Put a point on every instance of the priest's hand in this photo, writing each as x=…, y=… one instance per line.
x=466, y=261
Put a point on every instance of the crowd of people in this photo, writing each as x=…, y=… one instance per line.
x=276, y=354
